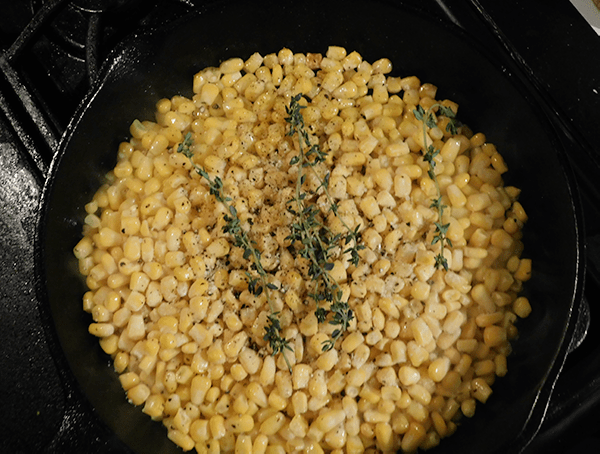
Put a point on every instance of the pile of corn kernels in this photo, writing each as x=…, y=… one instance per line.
x=168, y=290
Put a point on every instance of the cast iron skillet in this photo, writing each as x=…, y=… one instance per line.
x=161, y=63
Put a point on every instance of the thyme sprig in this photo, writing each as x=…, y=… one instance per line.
x=233, y=226
x=317, y=241
x=428, y=120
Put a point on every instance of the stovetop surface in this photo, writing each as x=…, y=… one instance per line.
x=549, y=42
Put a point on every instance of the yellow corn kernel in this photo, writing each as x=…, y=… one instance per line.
x=109, y=344
x=413, y=437
x=494, y=335
x=135, y=301
x=523, y=272
x=456, y=196
x=101, y=329
x=138, y=394
x=522, y=307
x=154, y=406
x=84, y=248
x=256, y=394
x=421, y=331
x=327, y=360
x=217, y=427
x=468, y=407
x=272, y=424
x=519, y=212
x=480, y=389
x=438, y=368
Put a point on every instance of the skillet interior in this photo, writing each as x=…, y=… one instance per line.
x=162, y=63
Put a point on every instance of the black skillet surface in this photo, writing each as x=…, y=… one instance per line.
x=161, y=63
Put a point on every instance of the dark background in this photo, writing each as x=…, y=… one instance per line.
x=50, y=53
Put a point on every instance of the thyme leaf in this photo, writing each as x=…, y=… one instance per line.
x=185, y=147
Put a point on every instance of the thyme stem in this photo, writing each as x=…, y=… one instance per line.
x=316, y=238
x=242, y=239
x=428, y=120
